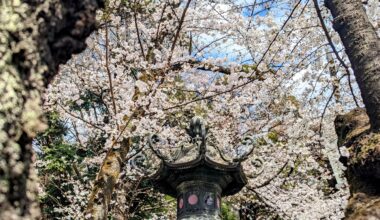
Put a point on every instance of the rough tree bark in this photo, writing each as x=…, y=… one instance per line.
x=357, y=131
x=362, y=46
x=35, y=37
x=363, y=164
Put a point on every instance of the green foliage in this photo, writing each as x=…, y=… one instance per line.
x=248, y=68
x=273, y=136
x=59, y=158
x=261, y=141
x=294, y=101
x=56, y=154
x=55, y=132
x=90, y=100
x=227, y=213
x=55, y=166
x=146, y=200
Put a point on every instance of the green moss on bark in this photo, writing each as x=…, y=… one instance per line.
x=34, y=40
x=363, y=164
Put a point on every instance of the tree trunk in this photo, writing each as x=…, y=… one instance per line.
x=363, y=164
x=363, y=49
x=35, y=37
x=357, y=131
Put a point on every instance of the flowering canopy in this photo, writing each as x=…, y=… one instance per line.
x=251, y=68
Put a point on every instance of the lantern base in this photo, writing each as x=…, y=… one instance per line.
x=203, y=217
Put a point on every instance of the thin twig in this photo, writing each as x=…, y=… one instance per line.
x=263, y=198
x=324, y=111
x=272, y=178
x=137, y=184
x=209, y=44
x=178, y=30
x=82, y=119
x=217, y=93
x=160, y=21
x=325, y=108
x=251, y=16
x=76, y=133
x=328, y=37
x=278, y=33
x=138, y=34
x=109, y=73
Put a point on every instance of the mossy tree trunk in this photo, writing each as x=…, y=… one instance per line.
x=35, y=37
x=363, y=164
x=357, y=131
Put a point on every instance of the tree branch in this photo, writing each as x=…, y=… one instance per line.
x=81, y=119
x=178, y=30
x=328, y=37
x=272, y=178
x=138, y=34
x=279, y=31
x=109, y=73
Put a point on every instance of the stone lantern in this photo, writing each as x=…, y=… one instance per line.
x=198, y=184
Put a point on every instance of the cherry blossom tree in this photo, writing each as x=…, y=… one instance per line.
x=262, y=68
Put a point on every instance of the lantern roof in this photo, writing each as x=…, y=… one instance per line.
x=229, y=177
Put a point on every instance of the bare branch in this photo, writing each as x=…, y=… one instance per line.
x=272, y=178
x=109, y=73
x=138, y=34
x=252, y=79
x=178, y=30
x=328, y=37
x=79, y=118
x=325, y=108
x=279, y=31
